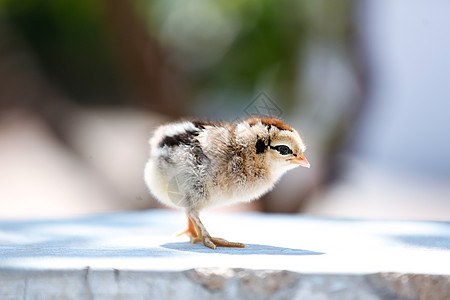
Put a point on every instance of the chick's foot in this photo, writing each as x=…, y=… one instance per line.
x=197, y=232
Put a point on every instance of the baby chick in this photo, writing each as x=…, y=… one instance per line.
x=195, y=165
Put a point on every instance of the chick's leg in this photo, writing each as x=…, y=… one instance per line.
x=191, y=232
x=203, y=235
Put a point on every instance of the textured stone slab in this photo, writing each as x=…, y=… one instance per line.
x=218, y=284
x=137, y=256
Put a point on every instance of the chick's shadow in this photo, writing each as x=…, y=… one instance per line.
x=249, y=249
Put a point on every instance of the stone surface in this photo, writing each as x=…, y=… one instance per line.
x=137, y=256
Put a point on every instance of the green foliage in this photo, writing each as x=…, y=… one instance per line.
x=70, y=41
x=215, y=46
x=258, y=44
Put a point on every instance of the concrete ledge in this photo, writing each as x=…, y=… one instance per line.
x=218, y=284
x=136, y=256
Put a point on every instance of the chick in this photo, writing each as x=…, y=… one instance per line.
x=195, y=165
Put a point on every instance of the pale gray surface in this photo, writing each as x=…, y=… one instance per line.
x=136, y=256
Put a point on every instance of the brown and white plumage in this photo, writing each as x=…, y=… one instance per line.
x=195, y=165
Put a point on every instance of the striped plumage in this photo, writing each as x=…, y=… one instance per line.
x=195, y=165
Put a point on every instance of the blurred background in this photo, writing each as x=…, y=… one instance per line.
x=84, y=83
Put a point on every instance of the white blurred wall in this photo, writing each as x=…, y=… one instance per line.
x=399, y=166
x=407, y=125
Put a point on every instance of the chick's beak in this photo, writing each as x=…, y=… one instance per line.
x=301, y=160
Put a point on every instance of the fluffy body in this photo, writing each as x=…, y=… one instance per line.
x=195, y=165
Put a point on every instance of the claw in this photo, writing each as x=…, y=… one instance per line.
x=224, y=243
x=208, y=243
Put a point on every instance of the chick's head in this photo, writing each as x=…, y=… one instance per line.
x=285, y=150
x=273, y=143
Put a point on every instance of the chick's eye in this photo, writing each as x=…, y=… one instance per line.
x=283, y=149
